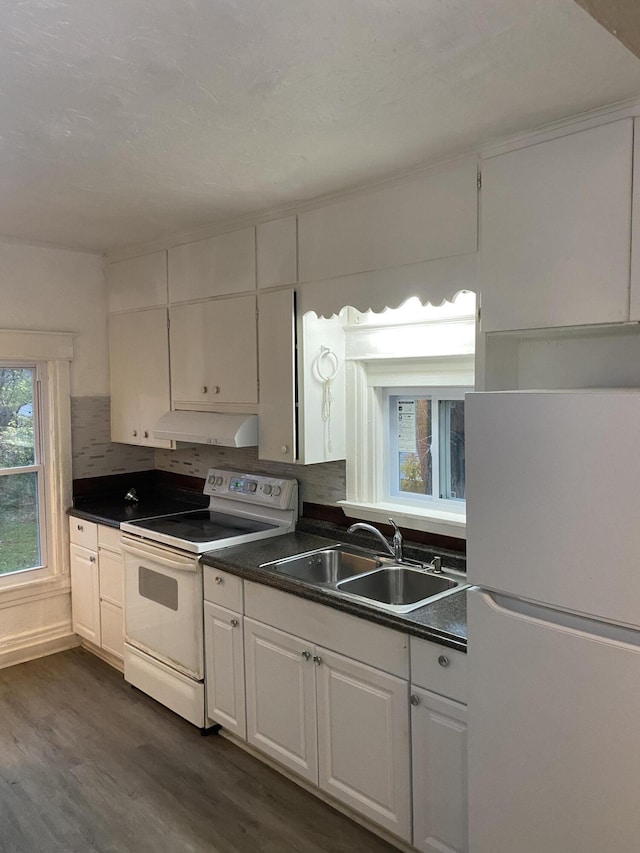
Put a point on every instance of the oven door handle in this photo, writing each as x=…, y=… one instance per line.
x=180, y=564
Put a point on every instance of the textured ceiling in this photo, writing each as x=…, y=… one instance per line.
x=127, y=120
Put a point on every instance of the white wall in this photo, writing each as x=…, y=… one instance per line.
x=59, y=290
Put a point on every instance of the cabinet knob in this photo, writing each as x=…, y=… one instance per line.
x=204, y=389
x=92, y=559
x=317, y=660
x=219, y=580
x=216, y=389
x=146, y=433
x=134, y=432
x=415, y=700
x=306, y=655
x=284, y=448
x=234, y=623
x=443, y=660
x=80, y=527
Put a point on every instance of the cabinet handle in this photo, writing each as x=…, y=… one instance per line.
x=204, y=389
x=234, y=623
x=317, y=660
x=80, y=527
x=134, y=432
x=219, y=580
x=306, y=655
x=415, y=700
x=216, y=389
x=146, y=433
x=443, y=660
x=92, y=559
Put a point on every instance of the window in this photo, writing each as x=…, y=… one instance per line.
x=426, y=446
x=22, y=471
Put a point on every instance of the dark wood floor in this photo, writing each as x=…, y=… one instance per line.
x=89, y=764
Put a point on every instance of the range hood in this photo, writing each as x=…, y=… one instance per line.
x=208, y=428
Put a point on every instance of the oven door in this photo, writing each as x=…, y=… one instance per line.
x=163, y=604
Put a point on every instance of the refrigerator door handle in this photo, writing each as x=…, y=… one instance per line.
x=560, y=620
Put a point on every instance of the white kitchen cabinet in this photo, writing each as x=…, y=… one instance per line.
x=556, y=231
x=430, y=216
x=137, y=282
x=221, y=265
x=277, y=252
x=338, y=723
x=281, y=698
x=439, y=752
x=85, y=594
x=97, y=585
x=363, y=740
x=224, y=668
x=276, y=360
x=214, y=353
x=635, y=233
x=139, y=362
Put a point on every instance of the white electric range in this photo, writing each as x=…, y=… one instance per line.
x=163, y=601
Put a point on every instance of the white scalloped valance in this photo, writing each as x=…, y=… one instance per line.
x=431, y=281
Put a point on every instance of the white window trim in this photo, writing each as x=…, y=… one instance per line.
x=365, y=467
x=53, y=351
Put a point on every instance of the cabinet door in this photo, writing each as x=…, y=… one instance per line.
x=276, y=356
x=635, y=235
x=213, y=267
x=85, y=594
x=555, y=231
x=111, y=571
x=112, y=628
x=439, y=743
x=363, y=740
x=224, y=668
x=281, y=698
x=139, y=362
x=214, y=352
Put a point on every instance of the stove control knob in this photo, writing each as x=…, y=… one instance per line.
x=276, y=491
x=218, y=481
x=267, y=489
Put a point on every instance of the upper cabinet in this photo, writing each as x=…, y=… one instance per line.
x=139, y=361
x=556, y=232
x=430, y=216
x=277, y=252
x=222, y=265
x=138, y=282
x=214, y=353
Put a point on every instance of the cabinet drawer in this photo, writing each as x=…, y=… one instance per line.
x=223, y=588
x=439, y=669
x=109, y=537
x=83, y=533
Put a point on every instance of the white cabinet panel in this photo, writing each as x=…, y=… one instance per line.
x=83, y=533
x=112, y=628
x=111, y=576
x=555, y=231
x=139, y=361
x=85, y=594
x=363, y=740
x=276, y=356
x=276, y=252
x=439, y=746
x=214, y=352
x=429, y=216
x=635, y=234
x=138, y=282
x=439, y=669
x=214, y=267
x=224, y=668
x=281, y=698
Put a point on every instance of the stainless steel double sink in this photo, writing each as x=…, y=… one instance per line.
x=375, y=580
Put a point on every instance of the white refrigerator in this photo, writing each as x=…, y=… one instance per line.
x=553, y=545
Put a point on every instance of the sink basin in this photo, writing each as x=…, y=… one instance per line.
x=326, y=567
x=399, y=589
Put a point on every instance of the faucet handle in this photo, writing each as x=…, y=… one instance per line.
x=395, y=527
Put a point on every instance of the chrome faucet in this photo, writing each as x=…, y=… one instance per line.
x=395, y=550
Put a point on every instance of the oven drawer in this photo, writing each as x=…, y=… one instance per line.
x=223, y=588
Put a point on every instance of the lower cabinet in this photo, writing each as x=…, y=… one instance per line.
x=337, y=722
x=439, y=745
x=224, y=668
x=97, y=586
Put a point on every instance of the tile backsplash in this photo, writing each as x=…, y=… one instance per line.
x=322, y=484
x=93, y=452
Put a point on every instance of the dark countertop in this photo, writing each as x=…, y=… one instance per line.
x=444, y=621
x=110, y=510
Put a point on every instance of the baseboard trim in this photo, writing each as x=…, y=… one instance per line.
x=103, y=654
x=36, y=648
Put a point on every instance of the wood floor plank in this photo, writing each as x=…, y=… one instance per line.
x=89, y=765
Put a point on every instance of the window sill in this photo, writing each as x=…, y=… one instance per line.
x=430, y=520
